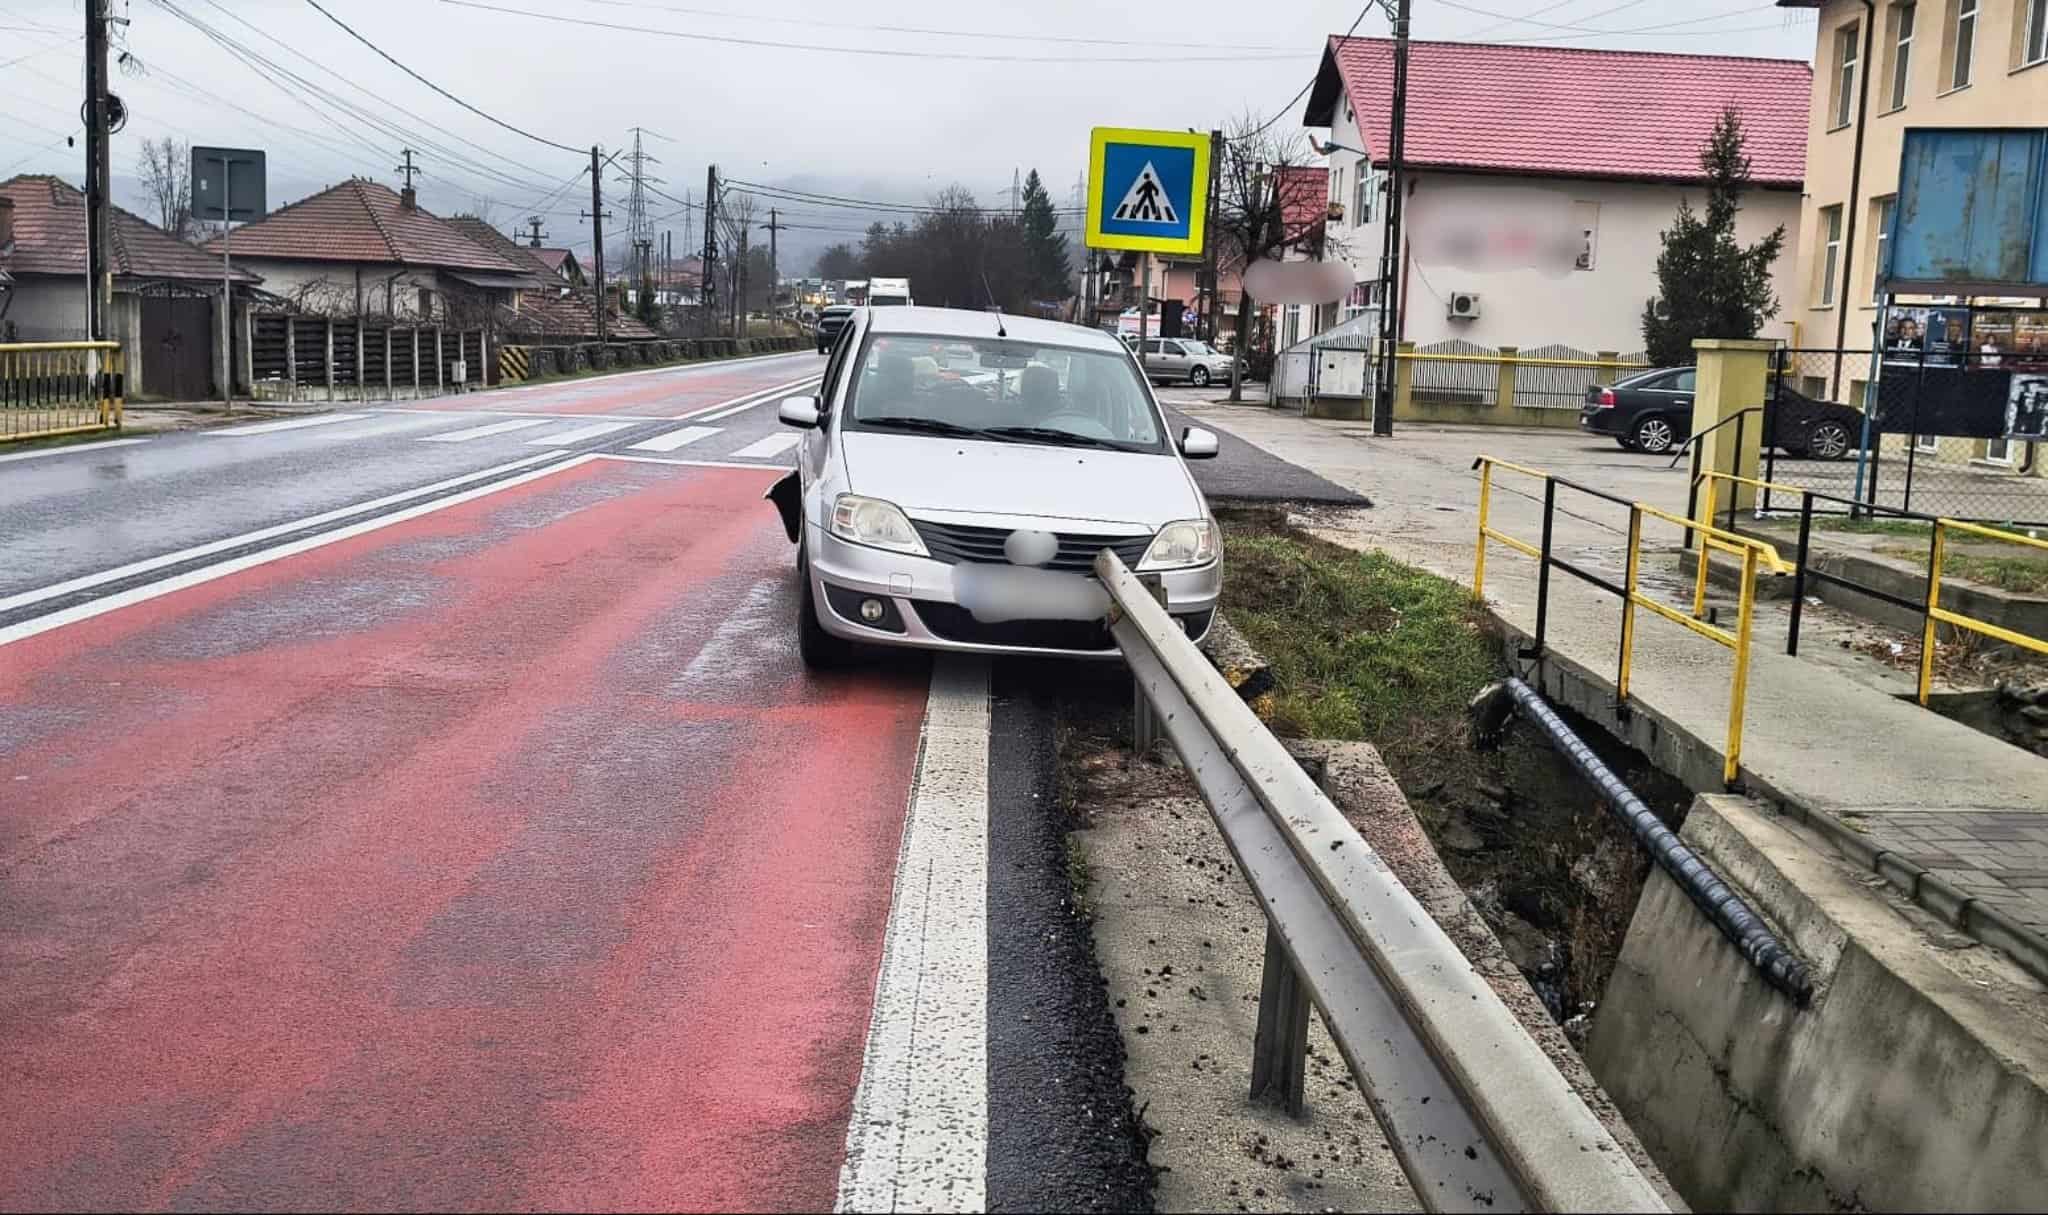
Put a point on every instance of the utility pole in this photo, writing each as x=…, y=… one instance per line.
x=774, y=257
x=533, y=233
x=739, y=287
x=707, y=285
x=1209, y=254
x=596, y=215
x=99, y=297
x=408, y=168
x=1391, y=251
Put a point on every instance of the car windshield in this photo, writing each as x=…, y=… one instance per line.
x=1002, y=390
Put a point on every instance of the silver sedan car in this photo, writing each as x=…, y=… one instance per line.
x=960, y=471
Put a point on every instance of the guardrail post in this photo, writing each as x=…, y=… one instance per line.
x=1485, y=509
x=1936, y=553
x=1145, y=731
x=1628, y=603
x=1280, y=1047
x=1738, y=694
x=1543, y=564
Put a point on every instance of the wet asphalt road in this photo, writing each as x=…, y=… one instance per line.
x=423, y=805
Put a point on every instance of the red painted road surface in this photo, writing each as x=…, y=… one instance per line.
x=666, y=393
x=501, y=858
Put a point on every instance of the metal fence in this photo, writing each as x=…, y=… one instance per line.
x=59, y=388
x=1934, y=434
x=1475, y=1112
x=1544, y=377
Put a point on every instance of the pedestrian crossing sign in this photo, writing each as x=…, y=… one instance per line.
x=1149, y=190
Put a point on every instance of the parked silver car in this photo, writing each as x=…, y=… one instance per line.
x=959, y=473
x=1177, y=360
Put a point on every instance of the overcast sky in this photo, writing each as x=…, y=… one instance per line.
x=773, y=91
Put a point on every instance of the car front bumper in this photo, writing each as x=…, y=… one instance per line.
x=925, y=614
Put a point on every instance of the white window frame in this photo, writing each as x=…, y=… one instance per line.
x=1962, y=63
x=1831, y=252
x=1846, y=52
x=1927, y=445
x=2005, y=451
x=2034, y=39
x=1904, y=14
x=1361, y=194
x=1880, y=241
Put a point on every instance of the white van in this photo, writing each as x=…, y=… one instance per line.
x=883, y=292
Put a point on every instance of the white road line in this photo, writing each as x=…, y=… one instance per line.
x=140, y=594
x=480, y=432
x=71, y=449
x=675, y=438
x=918, y=1137
x=581, y=434
x=133, y=568
x=265, y=428
x=736, y=404
x=515, y=413
x=768, y=448
x=773, y=394
x=619, y=455
x=598, y=382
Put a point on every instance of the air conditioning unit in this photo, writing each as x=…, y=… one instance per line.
x=1463, y=306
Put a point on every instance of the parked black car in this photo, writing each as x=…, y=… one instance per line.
x=830, y=322
x=1651, y=411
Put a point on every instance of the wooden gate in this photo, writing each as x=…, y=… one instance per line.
x=177, y=347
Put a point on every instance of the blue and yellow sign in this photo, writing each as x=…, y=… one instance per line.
x=1149, y=190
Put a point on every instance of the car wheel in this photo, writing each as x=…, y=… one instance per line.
x=1828, y=441
x=1654, y=434
x=821, y=651
x=1199, y=377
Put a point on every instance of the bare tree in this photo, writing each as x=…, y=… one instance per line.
x=736, y=222
x=1266, y=203
x=167, y=179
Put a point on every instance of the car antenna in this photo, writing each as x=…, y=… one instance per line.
x=992, y=305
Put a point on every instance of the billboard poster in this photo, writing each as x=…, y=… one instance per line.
x=2009, y=338
x=1905, y=335
x=2026, y=408
x=1948, y=335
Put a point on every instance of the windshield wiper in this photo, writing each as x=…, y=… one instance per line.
x=930, y=426
x=1053, y=435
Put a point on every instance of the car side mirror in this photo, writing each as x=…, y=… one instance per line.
x=1197, y=444
x=800, y=412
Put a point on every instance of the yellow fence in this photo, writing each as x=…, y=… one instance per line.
x=59, y=388
x=1755, y=554
x=1932, y=612
x=1501, y=387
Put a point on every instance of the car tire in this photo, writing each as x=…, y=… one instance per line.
x=1624, y=442
x=1828, y=441
x=820, y=650
x=1653, y=434
x=1199, y=377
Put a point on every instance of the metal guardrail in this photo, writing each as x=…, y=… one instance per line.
x=59, y=388
x=1753, y=552
x=1474, y=1110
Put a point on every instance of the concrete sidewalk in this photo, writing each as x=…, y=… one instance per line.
x=1873, y=773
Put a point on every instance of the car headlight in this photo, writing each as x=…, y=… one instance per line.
x=1182, y=543
x=875, y=523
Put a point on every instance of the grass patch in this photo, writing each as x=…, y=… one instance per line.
x=2022, y=574
x=1869, y=527
x=1362, y=646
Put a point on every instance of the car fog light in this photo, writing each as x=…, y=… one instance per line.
x=871, y=610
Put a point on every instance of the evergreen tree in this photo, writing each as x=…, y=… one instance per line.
x=645, y=307
x=1044, y=245
x=1708, y=285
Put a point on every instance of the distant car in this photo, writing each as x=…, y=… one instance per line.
x=1651, y=411
x=830, y=322
x=1171, y=360
x=958, y=474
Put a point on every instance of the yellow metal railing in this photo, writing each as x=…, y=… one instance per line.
x=1932, y=613
x=1755, y=554
x=1517, y=360
x=60, y=388
x=1937, y=614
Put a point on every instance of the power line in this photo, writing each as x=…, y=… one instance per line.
x=1289, y=103
x=437, y=88
x=1501, y=25
x=1549, y=25
x=734, y=40
x=979, y=35
x=816, y=198
x=1582, y=31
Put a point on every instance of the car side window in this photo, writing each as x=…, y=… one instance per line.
x=835, y=369
x=1173, y=347
x=1683, y=381
x=1155, y=346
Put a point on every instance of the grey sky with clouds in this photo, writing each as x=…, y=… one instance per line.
x=771, y=90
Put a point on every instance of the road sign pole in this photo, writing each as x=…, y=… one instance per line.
x=1144, y=309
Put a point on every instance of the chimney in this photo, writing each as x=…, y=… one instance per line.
x=409, y=199
x=6, y=222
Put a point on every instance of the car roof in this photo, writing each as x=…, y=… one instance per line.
x=968, y=323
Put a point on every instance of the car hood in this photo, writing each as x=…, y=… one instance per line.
x=933, y=476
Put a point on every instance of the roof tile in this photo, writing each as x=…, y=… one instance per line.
x=49, y=238
x=365, y=221
x=1571, y=112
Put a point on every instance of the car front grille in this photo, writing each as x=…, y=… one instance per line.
x=955, y=623
x=954, y=543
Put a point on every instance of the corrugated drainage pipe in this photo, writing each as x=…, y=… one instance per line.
x=1735, y=918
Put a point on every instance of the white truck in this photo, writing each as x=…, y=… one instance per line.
x=883, y=292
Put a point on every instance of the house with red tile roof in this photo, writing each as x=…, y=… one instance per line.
x=1540, y=178
x=362, y=249
x=553, y=311
x=166, y=292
